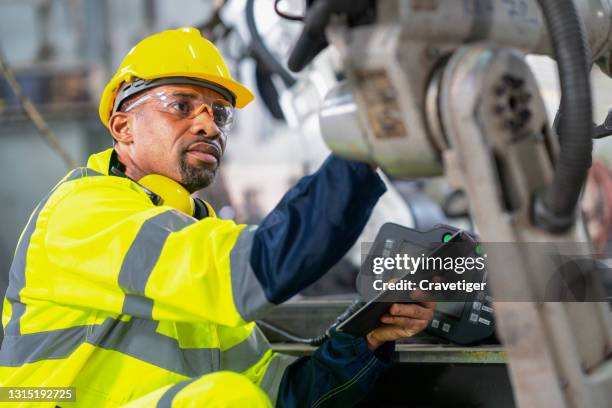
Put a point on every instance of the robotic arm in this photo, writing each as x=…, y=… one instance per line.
x=392, y=48
x=442, y=87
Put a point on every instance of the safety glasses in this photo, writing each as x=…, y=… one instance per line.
x=188, y=106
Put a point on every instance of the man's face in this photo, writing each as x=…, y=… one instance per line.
x=186, y=148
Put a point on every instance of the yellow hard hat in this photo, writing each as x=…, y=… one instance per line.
x=174, y=56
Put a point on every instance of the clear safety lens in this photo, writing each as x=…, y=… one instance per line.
x=188, y=106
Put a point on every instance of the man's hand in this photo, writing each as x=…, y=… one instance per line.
x=402, y=320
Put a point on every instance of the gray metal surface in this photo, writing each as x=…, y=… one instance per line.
x=422, y=353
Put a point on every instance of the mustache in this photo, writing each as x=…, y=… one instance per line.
x=207, y=146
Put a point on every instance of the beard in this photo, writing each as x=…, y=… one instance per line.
x=195, y=178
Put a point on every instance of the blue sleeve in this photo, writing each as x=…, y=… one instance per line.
x=313, y=226
x=339, y=374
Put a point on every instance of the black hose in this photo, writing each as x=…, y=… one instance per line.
x=318, y=14
x=264, y=56
x=312, y=39
x=555, y=208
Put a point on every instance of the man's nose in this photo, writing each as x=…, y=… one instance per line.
x=203, y=124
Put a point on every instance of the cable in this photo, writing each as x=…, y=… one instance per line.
x=317, y=16
x=34, y=115
x=313, y=341
x=261, y=51
x=554, y=209
x=312, y=39
x=285, y=15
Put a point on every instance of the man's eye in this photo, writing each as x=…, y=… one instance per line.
x=184, y=108
x=220, y=116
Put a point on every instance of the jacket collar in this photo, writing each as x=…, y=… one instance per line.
x=100, y=162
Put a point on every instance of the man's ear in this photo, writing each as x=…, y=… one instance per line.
x=120, y=126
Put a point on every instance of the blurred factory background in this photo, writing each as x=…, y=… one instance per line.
x=63, y=52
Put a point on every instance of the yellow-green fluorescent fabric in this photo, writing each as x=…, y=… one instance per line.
x=118, y=297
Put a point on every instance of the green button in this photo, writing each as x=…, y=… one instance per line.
x=478, y=250
x=447, y=236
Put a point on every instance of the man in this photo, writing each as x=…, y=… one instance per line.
x=129, y=290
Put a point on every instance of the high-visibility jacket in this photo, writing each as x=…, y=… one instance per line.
x=118, y=297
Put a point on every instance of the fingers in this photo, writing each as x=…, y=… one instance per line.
x=402, y=320
x=392, y=332
x=422, y=311
x=429, y=305
x=405, y=322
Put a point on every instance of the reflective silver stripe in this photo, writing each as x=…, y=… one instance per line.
x=146, y=248
x=249, y=296
x=18, y=266
x=274, y=375
x=246, y=353
x=13, y=326
x=30, y=348
x=166, y=399
x=136, y=338
x=142, y=257
x=138, y=306
x=17, y=271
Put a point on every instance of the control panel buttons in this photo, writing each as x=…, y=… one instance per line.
x=473, y=318
x=388, y=247
x=446, y=327
x=487, y=309
x=484, y=321
x=435, y=323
